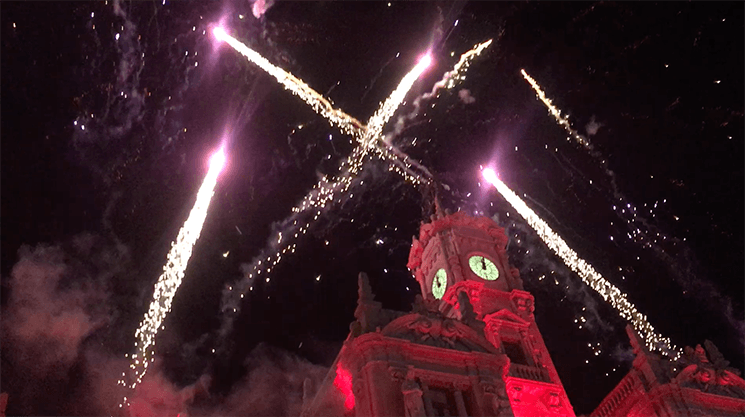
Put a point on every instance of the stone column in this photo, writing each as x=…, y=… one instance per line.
x=413, y=403
x=462, y=412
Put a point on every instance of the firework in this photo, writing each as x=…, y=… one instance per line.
x=391, y=104
x=642, y=232
x=587, y=273
x=458, y=73
x=317, y=102
x=173, y=273
x=369, y=138
x=563, y=121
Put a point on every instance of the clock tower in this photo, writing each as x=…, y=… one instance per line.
x=458, y=253
x=470, y=347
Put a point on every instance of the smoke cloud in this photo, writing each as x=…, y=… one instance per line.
x=260, y=7
x=58, y=300
x=58, y=319
x=465, y=96
x=592, y=127
x=275, y=385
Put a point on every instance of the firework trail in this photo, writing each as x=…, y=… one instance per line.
x=317, y=102
x=641, y=230
x=391, y=104
x=449, y=80
x=173, y=273
x=587, y=273
x=458, y=74
x=563, y=121
x=352, y=166
x=326, y=190
x=366, y=135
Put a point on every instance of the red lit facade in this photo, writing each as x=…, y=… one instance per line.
x=471, y=347
x=698, y=384
x=473, y=351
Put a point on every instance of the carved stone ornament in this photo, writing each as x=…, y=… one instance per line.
x=706, y=378
x=472, y=288
x=435, y=330
x=397, y=373
x=488, y=388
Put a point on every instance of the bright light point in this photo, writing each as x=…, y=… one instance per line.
x=217, y=161
x=426, y=61
x=225, y=255
x=489, y=175
x=219, y=33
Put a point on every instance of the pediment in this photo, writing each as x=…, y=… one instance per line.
x=506, y=315
x=438, y=332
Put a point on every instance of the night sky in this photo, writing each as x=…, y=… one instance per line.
x=110, y=111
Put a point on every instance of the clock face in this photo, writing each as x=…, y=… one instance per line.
x=483, y=267
x=439, y=283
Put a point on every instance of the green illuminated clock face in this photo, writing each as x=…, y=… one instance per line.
x=439, y=283
x=483, y=267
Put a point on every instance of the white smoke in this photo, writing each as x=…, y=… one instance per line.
x=592, y=127
x=59, y=298
x=465, y=96
x=260, y=7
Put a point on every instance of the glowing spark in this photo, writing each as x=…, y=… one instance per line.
x=173, y=272
x=587, y=273
x=325, y=191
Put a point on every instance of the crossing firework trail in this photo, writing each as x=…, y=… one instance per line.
x=369, y=138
